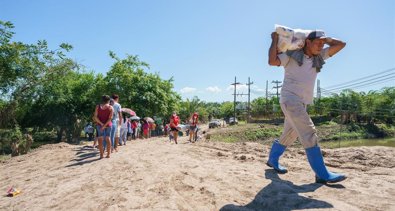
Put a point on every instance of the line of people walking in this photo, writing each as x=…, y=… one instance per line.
x=114, y=129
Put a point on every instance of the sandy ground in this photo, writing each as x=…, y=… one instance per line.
x=158, y=175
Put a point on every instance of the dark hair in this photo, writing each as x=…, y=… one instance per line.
x=105, y=98
x=115, y=96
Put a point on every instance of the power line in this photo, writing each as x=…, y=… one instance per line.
x=355, y=86
x=388, y=76
x=375, y=82
x=355, y=80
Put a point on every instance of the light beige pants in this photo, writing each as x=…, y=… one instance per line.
x=297, y=123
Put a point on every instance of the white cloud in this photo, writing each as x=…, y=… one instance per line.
x=186, y=90
x=258, y=91
x=239, y=88
x=243, y=89
x=213, y=89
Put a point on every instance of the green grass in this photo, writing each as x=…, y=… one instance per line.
x=351, y=135
x=347, y=136
x=245, y=132
x=264, y=133
x=242, y=122
x=226, y=139
x=389, y=142
x=4, y=157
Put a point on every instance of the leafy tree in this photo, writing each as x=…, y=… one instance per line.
x=227, y=109
x=66, y=105
x=187, y=107
x=146, y=93
x=213, y=110
x=25, y=69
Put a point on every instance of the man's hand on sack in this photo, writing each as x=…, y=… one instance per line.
x=275, y=36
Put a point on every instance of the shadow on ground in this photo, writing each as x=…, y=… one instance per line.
x=84, y=155
x=281, y=195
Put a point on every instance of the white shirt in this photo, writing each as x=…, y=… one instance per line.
x=117, y=110
x=124, y=124
x=299, y=80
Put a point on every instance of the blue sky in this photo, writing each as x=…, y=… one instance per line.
x=204, y=44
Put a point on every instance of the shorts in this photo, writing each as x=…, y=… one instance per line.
x=192, y=128
x=103, y=133
x=173, y=129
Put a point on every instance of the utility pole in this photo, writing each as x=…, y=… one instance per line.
x=277, y=87
x=235, y=94
x=318, y=89
x=267, y=95
x=249, y=105
x=234, y=101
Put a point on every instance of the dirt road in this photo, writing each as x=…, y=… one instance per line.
x=158, y=175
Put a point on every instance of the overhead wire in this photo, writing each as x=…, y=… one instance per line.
x=364, y=84
x=358, y=79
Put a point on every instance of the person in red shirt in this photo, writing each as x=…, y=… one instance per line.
x=145, y=129
x=103, y=115
x=166, y=127
x=174, y=121
x=193, y=121
x=134, y=130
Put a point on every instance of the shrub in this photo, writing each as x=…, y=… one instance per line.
x=253, y=135
x=13, y=142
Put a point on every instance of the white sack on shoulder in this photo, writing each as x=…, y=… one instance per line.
x=290, y=39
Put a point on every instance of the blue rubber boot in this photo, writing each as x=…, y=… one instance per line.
x=317, y=164
x=275, y=153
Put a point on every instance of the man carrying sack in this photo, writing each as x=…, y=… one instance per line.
x=301, y=68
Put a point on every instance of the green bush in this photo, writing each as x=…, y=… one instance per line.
x=10, y=139
x=380, y=130
x=224, y=138
x=13, y=142
x=331, y=123
x=44, y=136
x=5, y=141
x=346, y=135
x=254, y=135
x=386, y=130
x=352, y=127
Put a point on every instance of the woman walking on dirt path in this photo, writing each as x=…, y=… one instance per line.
x=194, y=119
x=124, y=130
x=174, y=121
x=103, y=115
x=145, y=129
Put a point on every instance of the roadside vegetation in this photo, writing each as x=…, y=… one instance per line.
x=330, y=134
x=47, y=97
